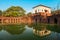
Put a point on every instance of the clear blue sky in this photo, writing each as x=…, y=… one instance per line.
x=27, y=4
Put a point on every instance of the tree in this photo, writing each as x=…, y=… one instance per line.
x=56, y=12
x=14, y=11
x=0, y=13
x=28, y=14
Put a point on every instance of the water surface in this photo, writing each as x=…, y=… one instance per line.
x=29, y=32
x=16, y=32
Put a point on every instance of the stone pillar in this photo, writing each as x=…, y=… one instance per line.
x=2, y=20
x=10, y=20
x=15, y=20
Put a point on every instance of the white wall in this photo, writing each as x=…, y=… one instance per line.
x=41, y=9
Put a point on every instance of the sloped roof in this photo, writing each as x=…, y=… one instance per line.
x=41, y=5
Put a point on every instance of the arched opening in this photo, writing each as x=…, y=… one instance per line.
x=40, y=20
x=48, y=20
x=0, y=20
x=55, y=20
x=36, y=20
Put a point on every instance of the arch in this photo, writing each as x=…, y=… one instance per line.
x=0, y=20
x=48, y=20
x=40, y=20
x=55, y=20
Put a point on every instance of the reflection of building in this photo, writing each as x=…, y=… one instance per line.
x=41, y=32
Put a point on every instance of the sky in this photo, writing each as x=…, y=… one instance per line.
x=28, y=4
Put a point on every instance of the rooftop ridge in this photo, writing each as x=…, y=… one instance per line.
x=41, y=5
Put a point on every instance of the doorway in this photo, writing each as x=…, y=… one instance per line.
x=0, y=20
x=48, y=20
x=55, y=20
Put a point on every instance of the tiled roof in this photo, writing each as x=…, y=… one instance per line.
x=41, y=5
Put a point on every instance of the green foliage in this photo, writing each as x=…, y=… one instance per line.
x=14, y=11
x=56, y=12
x=0, y=13
x=28, y=14
x=13, y=29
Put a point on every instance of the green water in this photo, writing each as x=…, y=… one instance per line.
x=54, y=35
x=25, y=32
x=16, y=32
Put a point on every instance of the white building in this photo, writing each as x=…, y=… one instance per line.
x=41, y=8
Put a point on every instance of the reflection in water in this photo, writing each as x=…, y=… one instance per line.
x=0, y=28
x=15, y=29
x=46, y=32
x=16, y=32
x=30, y=32
x=41, y=30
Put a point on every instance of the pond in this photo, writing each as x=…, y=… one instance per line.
x=16, y=32
x=30, y=32
x=46, y=32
